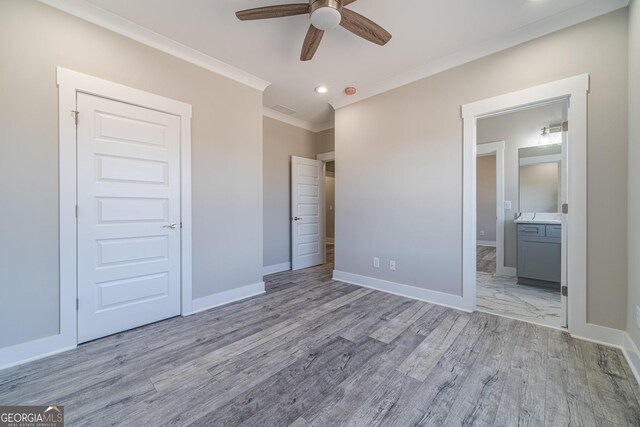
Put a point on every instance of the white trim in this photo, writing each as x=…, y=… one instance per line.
x=294, y=121
x=227, y=297
x=632, y=354
x=33, y=350
x=508, y=271
x=602, y=335
x=486, y=243
x=498, y=148
x=568, y=18
x=408, y=291
x=276, y=268
x=69, y=84
x=327, y=157
x=536, y=160
x=575, y=90
x=105, y=19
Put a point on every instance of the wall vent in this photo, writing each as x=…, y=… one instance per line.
x=284, y=110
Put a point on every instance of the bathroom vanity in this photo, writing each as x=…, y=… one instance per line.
x=539, y=252
x=539, y=223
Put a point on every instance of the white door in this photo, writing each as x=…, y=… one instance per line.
x=307, y=210
x=128, y=216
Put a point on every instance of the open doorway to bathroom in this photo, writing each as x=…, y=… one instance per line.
x=520, y=186
x=329, y=205
x=329, y=209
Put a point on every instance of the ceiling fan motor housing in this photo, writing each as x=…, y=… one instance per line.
x=326, y=14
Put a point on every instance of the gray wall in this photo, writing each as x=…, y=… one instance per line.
x=226, y=170
x=519, y=129
x=634, y=169
x=486, y=198
x=325, y=141
x=281, y=141
x=399, y=190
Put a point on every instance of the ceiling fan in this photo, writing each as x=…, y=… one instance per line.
x=325, y=15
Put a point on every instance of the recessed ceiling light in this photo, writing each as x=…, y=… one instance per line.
x=321, y=89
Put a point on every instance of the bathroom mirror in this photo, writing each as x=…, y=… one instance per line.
x=540, y=178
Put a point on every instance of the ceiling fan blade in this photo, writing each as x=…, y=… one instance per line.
x=278, y=11
x=365, y=28
x=347, y=2
x=311, y=43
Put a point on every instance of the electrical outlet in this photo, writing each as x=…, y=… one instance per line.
x=507, y=204
x=482, y=233
x=376, y=262
x=638, y=316
x=392, y=265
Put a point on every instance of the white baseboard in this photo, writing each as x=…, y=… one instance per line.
x=408, y=291
x=632, y=354
x=600, y=335
x=226, y=297
x=33, y=350
x=486, y=243
x=506, y=271
x=276, y=268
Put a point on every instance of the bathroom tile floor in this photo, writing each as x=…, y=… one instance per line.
x=503, y=296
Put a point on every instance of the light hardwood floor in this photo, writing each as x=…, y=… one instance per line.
x=312, y=351
x=486, y=259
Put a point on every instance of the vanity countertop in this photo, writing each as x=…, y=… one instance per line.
x=539, y=218
x=537, y=221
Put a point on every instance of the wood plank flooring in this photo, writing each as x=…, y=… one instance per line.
x=312, y=351
x=486, y=259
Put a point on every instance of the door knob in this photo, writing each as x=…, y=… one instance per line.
x=171, y=226
x=295, y=218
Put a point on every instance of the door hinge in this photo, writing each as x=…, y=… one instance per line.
x=77, y=303
x=75, y=115
x=564, y=291
x=565, y=208
x=180, y=224
x=76, y=211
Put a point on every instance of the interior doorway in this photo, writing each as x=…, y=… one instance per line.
x=312, y=210
x=329, y=161
x=520, y=182
x=329, y=210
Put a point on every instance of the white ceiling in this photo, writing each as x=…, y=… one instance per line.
x=428, y=36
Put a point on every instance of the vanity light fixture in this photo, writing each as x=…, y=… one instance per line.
x=544, y=138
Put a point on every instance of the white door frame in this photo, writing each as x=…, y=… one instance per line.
x=69, y=84
x=325, y=157
x=497, y=148
x=574, y=90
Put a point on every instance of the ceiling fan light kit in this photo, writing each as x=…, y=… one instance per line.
x=324, y=15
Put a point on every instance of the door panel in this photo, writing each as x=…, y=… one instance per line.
x=128, y=195
x=307, y=224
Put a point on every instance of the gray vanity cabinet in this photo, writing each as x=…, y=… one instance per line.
x=539, y=254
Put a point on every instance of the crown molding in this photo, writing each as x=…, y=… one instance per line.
x=312, y=127
x=565, y=19
x=124, y=27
